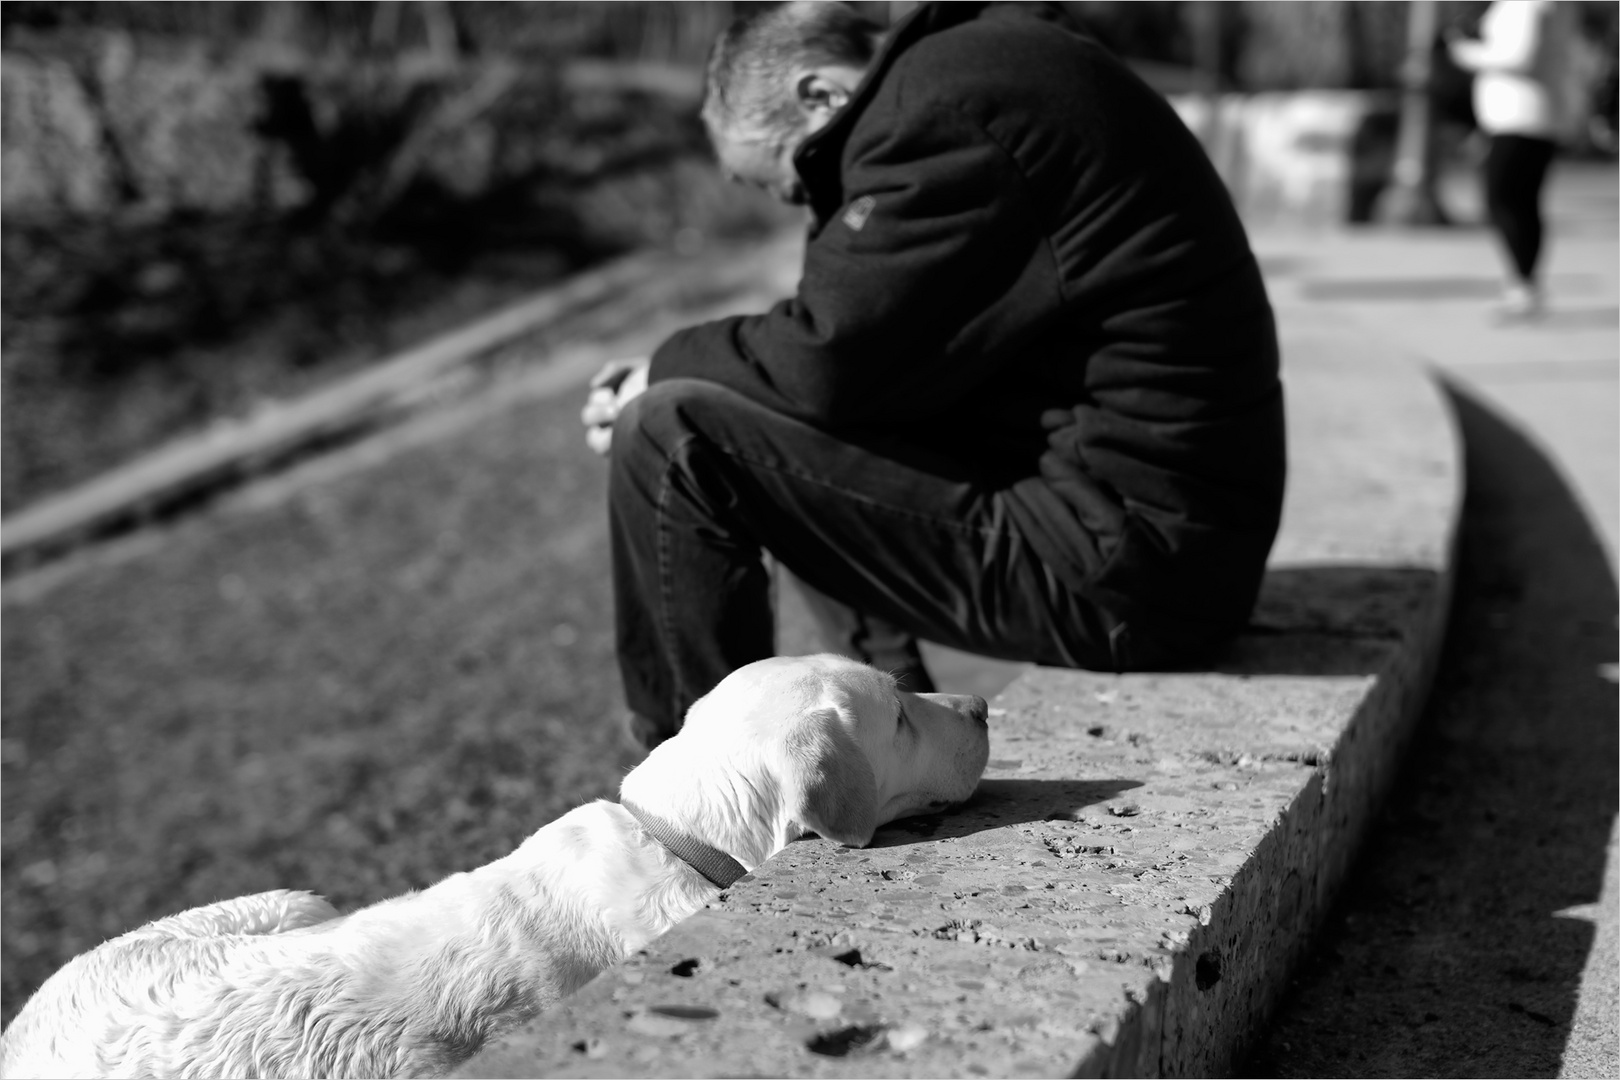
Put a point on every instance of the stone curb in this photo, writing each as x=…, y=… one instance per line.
x=1148, y=855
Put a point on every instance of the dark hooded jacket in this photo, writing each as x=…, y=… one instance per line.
x=1021, y=257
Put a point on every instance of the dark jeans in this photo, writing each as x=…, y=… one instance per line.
x=895, y=543
x=1515, y=169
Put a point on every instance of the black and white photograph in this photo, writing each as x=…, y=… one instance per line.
x=809, y=539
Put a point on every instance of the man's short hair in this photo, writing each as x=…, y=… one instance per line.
x=745, y=94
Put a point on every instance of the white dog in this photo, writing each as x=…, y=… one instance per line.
x=279, y=984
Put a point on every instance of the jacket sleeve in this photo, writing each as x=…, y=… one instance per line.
x=911, y=292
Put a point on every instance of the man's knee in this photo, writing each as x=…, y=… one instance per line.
x=667, y=411
x=667, y=429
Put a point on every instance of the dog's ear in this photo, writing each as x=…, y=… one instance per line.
x=833, y=785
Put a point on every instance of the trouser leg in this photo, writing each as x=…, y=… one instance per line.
x=867, y=638
x=1515, y=170
x=691, y=592
x=704, y=481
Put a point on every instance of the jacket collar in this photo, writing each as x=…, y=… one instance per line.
x=817, y=158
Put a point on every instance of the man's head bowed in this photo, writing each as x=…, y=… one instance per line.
x=777, y=77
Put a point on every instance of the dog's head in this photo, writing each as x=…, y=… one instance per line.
x=812, y=743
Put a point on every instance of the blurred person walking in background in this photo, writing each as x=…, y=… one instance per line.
x=1521, y=65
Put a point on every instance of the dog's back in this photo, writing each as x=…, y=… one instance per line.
x=121, y=985
x=278, y=985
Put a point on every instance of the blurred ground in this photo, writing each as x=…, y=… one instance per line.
x=391, y=676
x=1478, y=936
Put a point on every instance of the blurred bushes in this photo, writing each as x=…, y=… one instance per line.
x=340, y=107
x=204, y=205
x=1256, y=46
x=326, y=108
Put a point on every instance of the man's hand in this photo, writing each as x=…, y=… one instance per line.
x=611, y=389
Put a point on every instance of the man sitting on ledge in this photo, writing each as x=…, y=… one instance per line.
x=1025, y=403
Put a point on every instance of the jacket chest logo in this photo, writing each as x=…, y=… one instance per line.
x=859, y=210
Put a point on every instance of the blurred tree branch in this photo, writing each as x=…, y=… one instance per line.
x=93, y=66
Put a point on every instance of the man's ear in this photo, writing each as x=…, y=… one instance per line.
x=832, y=786
x=819, y=95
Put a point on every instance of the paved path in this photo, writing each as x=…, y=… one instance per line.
x=1479, y=936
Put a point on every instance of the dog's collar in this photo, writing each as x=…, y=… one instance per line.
x=721, y=869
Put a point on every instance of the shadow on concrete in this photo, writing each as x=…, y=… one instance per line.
x=1459, y=947
x=1331, y=620
x=999, y=803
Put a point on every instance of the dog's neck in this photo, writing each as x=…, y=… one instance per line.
x=720, y=869
x=597, y=858
x=739, y=810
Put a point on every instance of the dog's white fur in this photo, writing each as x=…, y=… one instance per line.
x=279, y=984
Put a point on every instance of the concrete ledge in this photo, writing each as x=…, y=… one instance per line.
x=1148, y=854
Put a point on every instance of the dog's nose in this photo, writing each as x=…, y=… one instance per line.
x=971, y=706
